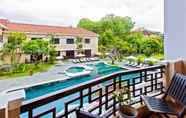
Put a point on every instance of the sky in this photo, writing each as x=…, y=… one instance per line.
x=145, y=13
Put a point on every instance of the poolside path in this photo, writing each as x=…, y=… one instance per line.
x=53, y=74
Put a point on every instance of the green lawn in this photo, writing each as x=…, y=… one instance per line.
x=24, y=70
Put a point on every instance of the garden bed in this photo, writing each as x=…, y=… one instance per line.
x=25, y=70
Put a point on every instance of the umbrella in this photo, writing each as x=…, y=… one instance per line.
x=151, y=59
x=80, y=55
x=98, y=53
x=131, y=58
x=107, y=54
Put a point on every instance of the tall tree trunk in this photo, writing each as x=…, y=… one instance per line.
x=113, y=61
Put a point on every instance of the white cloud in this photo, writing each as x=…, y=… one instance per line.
x=146, y=13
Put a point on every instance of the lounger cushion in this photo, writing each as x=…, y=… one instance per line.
x=83, y=114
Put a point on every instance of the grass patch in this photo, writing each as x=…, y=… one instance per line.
x=24, y=70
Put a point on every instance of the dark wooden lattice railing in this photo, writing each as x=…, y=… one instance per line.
x=95, y=96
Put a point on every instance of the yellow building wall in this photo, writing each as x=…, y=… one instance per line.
x=20, y=57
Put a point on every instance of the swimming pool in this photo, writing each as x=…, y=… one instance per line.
x=100, y=69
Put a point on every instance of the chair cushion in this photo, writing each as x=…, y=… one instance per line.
x=158, y=105
x=83, y=114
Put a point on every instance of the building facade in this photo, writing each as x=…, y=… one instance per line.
x=64, y=38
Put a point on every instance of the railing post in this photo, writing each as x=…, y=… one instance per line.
x=172, y=67
x=3, y=105
x=3, y=113
x=180, y=66
x=12, y=103
x=169, y=71
x=114, y=100
x=14, y=108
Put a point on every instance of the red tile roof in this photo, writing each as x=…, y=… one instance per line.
x=32, y=28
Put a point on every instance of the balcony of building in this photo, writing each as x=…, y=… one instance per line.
x=95, y=96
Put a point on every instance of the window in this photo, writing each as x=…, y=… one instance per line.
x=70, y=54
x=87, y=41
x=56, y=41
x=70, y=41
x=58, y=53
x=35, y=38
x=88, y=53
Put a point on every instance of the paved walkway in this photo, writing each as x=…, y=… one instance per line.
x=53, y=74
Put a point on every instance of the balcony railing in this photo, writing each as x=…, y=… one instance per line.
x=96, y=96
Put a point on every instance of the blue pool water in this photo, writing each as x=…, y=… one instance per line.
x=100, y=69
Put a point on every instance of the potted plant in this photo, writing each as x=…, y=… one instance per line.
x=123, y=96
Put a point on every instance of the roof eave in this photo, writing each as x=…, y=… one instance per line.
x=59, y=34
x=3, y=27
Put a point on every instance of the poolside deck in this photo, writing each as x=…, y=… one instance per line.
x=38, y=78
x=54, y=74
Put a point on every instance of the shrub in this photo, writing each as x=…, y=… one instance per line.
x=140, y=59
x=52, y=56
x=158, y=56
x=151, y=63
x=103, y=55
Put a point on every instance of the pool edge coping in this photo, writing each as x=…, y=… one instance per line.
x=47, y=82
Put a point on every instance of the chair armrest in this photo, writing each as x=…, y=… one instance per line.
x=182, y=113
x=83, y=114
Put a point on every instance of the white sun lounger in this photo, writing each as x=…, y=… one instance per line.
x=140, y=65
x=88, y=59
x=126, y=63
x=84, y=60
x=135, y=64
x=74, y=61
x=78, y=61
x=92, y=59
x=81, y=60
x=130, y=64
x=96, y=58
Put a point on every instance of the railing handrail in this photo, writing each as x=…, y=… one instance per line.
x=31, y=104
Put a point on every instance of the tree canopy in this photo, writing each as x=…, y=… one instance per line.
x=37, y=48
x=117, y=24
x=14, y=45
x=89, y=25
x=115, y=33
